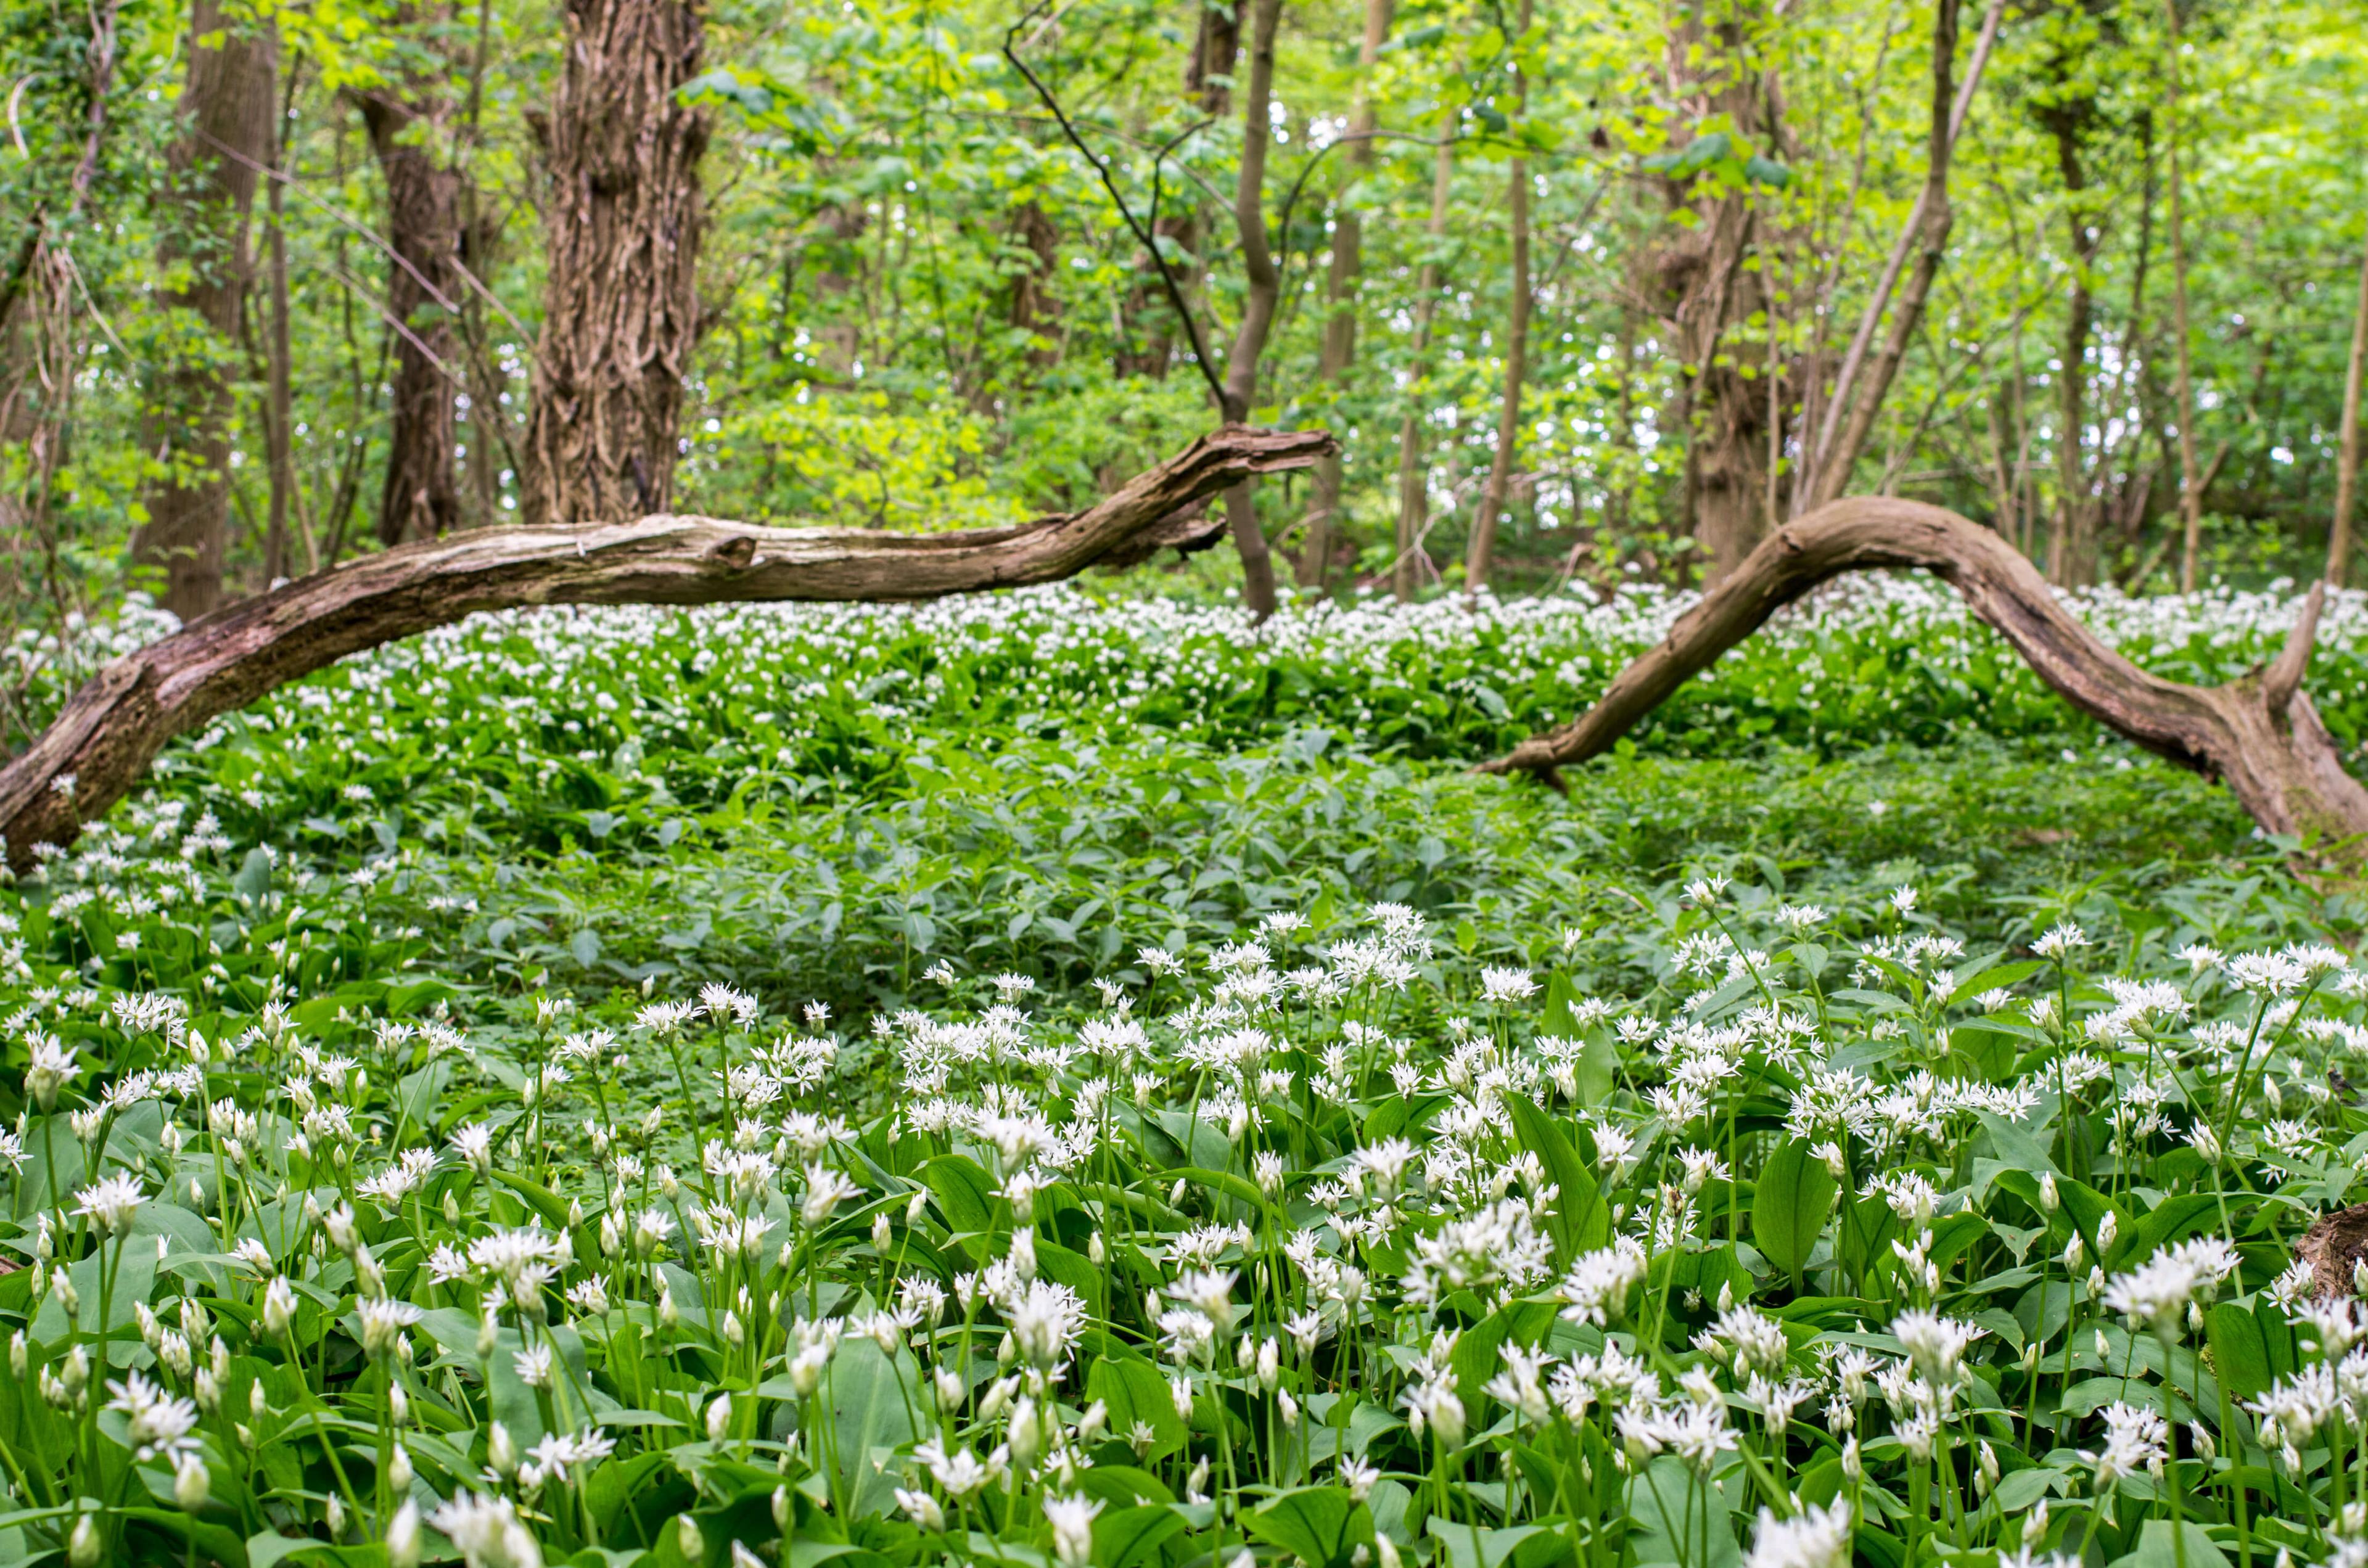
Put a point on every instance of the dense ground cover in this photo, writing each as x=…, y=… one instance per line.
x=1037, y=1080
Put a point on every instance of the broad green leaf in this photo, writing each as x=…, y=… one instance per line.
x=1320, y=1525
x=1795, y=1198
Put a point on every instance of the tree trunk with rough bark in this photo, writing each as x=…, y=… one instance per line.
x=2191, y=489
x=1414, y=481
x=1480, y=550
x=2072, y=552
x=1854, y=406
x=624, y=219
x=2347, y=451
x=2259, y=733
x=410, y=134
x=1701, y=287
x=227, y=102
x=1240, y=386
x=1209, y=82
x=112, y=729
x=1338, y=351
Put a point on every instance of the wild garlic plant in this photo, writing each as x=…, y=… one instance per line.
x=1320, y=1243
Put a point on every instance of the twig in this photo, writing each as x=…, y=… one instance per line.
x=1143, y=236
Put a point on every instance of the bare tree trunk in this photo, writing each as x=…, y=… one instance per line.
x=226, y=103
x=2260, y=734
x=410, y=132
x=1706, y=291
x=1414, y=481
x=2072, y=553
x=2346, y=453
x=1034, y=309
x=621, y=307
x=1208, y=82
x=1481, y=549
x=2002, y=485
x=2191, y=490
x=112, y=729
x=1339, y=347
x=280, y=399
x=1258, y=307
x=1851, y=417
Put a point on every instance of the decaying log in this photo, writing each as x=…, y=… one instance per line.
x=2259, y=733
x=112, y=728
x=2335, y=1246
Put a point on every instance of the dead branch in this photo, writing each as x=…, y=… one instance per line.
x=109, y=732
x=2260, y=734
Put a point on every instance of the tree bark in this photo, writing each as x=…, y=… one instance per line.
x=227, y=102
x=1338, y=351
x=279, y=396
x=1855, y=407
x=1257, y=306
x=1209, y=82
x=1706, y=292
x=2191, y=490
x=2072, y=553
x=1479, y=555
x=2259, y=733
x=624, y=220
x=2347, y=453
x=410, y=134
x=1414, y=481
x=112, y=729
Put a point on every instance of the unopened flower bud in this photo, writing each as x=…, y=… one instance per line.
x=403, y=1537
x=191, y=1484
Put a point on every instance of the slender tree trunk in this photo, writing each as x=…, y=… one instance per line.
x=410, y=126
x=1035, y=309
x=279, y=397
x=1413, y=481
x=1929, y=231
x=227, y=104
x=2072, y=553
x=2002, y=485
x=1257, y=306
x=1146, y=310
x=624, y=220
x=2347, y=457
x=2190, y=492
x=1479, y=555
x=420, y=497
x=1706, y=290
x=1339, y=346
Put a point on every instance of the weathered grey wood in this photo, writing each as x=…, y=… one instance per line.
x=2257, y=734
x=112, y=729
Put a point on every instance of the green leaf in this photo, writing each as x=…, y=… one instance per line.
x=965, y=1193
x=873, y=1415
x=1322, y=1526
x=2158, y=1547
x=1124, y=1535
x=1795, y=1198
x=1133, y=1391
x=1580, y=1221
x=1665, y=1501
x=2240, y=1352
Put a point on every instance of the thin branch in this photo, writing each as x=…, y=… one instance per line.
x=1143, y=236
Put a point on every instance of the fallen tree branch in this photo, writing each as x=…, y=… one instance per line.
x=109, y=732
x=2257, y=734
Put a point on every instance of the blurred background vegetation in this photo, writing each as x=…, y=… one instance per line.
x=278, y=276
